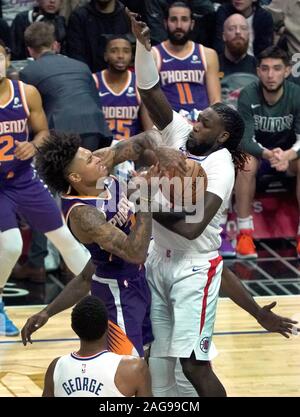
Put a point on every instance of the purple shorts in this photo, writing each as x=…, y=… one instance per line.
x=128, y=303
x=29, y=197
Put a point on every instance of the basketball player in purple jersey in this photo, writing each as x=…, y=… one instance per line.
x=188, y=71
x=21, y=191
x=121, y=104
x=102, y=219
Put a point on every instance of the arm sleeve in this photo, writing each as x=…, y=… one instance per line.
x=248, y=143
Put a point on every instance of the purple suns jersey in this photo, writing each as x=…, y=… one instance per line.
x=118, y=211
x=183, y=79
x=121, y=110
x=13, y=126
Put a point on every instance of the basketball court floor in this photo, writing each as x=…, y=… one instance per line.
x=251, y=361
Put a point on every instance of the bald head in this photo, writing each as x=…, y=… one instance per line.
x=236, y=34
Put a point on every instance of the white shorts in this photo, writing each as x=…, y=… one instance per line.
x=184, y=290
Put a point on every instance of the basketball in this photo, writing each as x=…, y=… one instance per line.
x=185, y=191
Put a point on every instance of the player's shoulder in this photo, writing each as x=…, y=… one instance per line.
x=131, y=365
x=292, y=90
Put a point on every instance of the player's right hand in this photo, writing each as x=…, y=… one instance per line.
x=140, y=30
x=32, y=325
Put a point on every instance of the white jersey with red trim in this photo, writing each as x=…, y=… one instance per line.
x=220, y=173
x=89, y=376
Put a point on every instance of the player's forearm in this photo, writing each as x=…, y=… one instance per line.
x=235, y=290
x=137, y=242
x=40, y=137
x=251, y=147
x=134, y=149
x=73, y=292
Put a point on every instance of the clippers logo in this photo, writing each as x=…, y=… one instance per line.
x=83, y=368
x=204, y=344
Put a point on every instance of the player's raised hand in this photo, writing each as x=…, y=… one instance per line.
x=274, y=323
x=24, y=150
x=32, y=325
x=140, y=30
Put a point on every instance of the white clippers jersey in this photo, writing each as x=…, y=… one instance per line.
x=220, y=175
x=91, y=376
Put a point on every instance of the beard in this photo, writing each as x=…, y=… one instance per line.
x=179, y=41
x=238, y=47
x=198, y=149
x=272, y=90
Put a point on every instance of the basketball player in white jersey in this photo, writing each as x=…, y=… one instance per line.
x=93, y=371
x=184, y=268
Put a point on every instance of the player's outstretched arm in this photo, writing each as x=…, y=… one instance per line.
x=147, y=76
x=235, y=290
x=70, y=295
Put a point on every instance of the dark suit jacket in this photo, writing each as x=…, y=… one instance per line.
x=70, y=97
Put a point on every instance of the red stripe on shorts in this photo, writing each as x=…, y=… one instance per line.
x=211, y=273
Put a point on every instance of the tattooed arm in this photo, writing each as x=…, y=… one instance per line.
x=90, y=226
x=144, y=148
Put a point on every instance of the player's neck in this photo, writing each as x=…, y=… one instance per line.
x=272, y=97
x=91, y=348
x=178, y=49
x=115, y=79
x=4, y=90
x=90, y=190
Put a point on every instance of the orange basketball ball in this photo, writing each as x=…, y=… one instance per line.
x=189, y=189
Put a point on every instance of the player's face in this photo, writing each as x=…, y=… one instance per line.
x=242, y=5
x=272, y=72
x=206, y=134
x=4, y=62
x=118, y=54
x=179, y=25
x=50, y=6
x=87, y=168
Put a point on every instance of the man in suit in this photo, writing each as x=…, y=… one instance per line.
x=70, y=98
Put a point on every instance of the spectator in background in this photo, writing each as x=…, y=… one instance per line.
x=9, y=8
x=46, y=11
x=204, y=28
x=270, y=108
x=236, y=40
x=68, y=91
x=189, y=72
x=5, y=34
x=286, y=17
x=69, y=5
x=259, y=21
x=88, y=28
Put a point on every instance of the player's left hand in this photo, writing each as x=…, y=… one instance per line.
x=274, y=323
x=24, y=150
x=32, y=325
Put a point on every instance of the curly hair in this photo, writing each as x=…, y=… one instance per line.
x=235, y=126
x=53, y=158
x=89, y=318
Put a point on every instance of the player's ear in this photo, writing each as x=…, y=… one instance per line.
x=223, y=137
x=73, y=177
x=192, y=24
